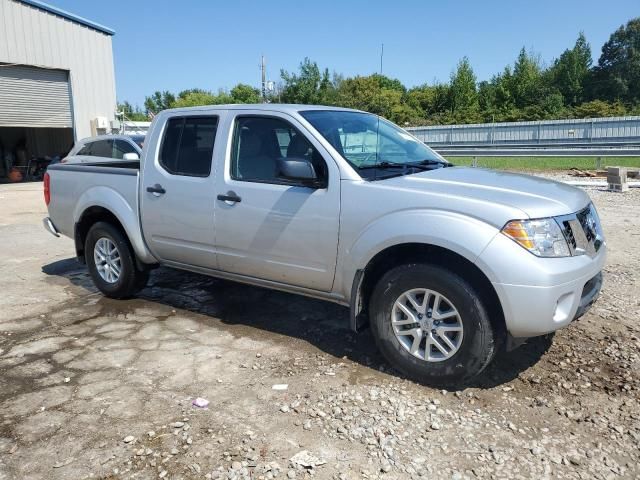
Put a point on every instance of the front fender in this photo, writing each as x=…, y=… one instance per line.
x=118, y=205
x=461, y=234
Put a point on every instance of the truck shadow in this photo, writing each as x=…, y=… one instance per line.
x=252, y=311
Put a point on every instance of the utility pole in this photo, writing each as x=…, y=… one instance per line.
x=263, y=68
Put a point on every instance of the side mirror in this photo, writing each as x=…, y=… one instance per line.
x=131, y=156
x=297, y=168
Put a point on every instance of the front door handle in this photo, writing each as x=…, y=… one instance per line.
x=156, y=190
x=230, y=197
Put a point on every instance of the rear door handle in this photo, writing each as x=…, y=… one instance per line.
x=230, y=197
x=156, y=189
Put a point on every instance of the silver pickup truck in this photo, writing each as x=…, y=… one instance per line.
x=446, y=264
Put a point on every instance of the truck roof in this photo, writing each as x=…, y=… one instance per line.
x=279, y=107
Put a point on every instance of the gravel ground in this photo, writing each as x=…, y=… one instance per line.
x=94, y=388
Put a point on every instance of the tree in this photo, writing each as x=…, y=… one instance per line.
x=463, y=96
x=599, y=108
x=308, y=86
x=427, y=101
x=389, y=83
x=526, y=82
x=617, y=76
x=196, y=97
x=525, y=90
x=131, y=113
x=570, y=72
x=243, y=93
x=159, y=101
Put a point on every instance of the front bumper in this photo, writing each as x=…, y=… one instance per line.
x=50, y=227
x=542, y=295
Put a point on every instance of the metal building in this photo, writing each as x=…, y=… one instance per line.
x=57, y=81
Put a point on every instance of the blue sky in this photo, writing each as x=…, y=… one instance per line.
x=168, y=45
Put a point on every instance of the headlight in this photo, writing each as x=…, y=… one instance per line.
x=541, y=237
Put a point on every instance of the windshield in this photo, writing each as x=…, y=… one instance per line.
x=371, y=144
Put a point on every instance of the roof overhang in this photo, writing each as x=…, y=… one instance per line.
x=69, y=16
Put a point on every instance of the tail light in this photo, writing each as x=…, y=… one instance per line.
x=47, y=189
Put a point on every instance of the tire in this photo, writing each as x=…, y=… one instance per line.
x=130, y=279
x=476, y=342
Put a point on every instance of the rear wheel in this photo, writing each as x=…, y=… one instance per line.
x=111, y=262
x=431, y=324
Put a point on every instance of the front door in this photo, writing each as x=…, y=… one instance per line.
x=177, y=192
x=270, y=228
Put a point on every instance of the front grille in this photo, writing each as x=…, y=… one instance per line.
x=582, y=231
x=568, y=235
x=583, y=218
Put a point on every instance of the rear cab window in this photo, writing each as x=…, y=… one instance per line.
x=187, y=145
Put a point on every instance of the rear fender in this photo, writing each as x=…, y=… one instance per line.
x=111, y=200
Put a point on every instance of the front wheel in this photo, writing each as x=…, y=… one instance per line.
x=111, y=262
x=431, y=324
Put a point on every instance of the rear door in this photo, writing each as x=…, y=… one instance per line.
x=177, y=191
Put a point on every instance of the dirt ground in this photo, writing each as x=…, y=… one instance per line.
x=95, y=388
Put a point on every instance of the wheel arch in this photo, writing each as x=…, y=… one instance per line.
x=89, y=217
x=407, y=253
x=98, y=213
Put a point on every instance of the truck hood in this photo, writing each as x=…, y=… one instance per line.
x=535, y=197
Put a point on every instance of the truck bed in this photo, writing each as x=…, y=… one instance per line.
x=75, y=187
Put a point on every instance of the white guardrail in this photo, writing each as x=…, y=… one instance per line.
x=504, y=151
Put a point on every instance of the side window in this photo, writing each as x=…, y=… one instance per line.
x=187, y=145
x=120, y=147
x=86, y=150
x=258, y=142
x=102, y=148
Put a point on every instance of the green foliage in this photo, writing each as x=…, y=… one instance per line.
x=569, y=88
x=617, y=75
x=599, y=108
x=463, y=96
x=526, y=83
x=159, y=101
x=243, y=93
x=570, y=72
x=131, y=113
x=545, y=163
x=196, y=97
x=309, y=86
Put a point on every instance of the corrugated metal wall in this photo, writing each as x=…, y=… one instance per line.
x=34, y=97
x=31, y=36
x=579, y=131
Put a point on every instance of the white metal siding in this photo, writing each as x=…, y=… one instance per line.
x=32, y=36
x=34, y=97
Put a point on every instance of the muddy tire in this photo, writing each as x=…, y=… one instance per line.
x=111, y=262
x=431, y=324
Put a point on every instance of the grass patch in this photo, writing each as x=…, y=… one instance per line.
x=546, y=163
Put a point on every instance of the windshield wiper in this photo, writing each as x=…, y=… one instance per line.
x=386, y=165
x=431, y=161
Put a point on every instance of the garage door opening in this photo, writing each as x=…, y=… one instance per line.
x=36, y=123
x=26, y=152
